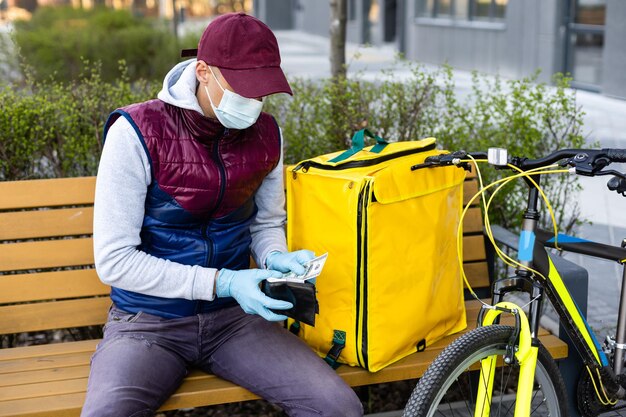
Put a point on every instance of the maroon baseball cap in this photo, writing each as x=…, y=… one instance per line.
x=246, y=52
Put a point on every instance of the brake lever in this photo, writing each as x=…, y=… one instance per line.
x=589, y=163
x=611, y=172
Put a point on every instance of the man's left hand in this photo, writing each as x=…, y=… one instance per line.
x=289, y=261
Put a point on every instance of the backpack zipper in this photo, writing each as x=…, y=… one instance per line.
x=361, y=275
x=305, y=165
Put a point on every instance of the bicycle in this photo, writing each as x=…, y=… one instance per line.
x=529, y=381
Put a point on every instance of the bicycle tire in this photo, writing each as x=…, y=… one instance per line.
x=436, y=385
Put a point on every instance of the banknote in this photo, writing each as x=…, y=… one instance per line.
x=312, y=269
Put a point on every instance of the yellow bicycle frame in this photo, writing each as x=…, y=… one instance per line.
x=526, y=355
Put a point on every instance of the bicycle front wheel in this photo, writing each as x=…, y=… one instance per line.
x=450, y=385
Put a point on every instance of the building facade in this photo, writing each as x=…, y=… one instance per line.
x=513, y=38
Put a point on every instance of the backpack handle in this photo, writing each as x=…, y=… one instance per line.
x=358, y=143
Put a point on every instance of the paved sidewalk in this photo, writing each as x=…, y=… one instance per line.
x=305, y=55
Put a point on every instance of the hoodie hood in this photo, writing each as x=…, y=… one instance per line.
x=179, y=87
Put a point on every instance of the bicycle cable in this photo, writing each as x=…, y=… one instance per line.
x=482, y=189
x=508, y=260
x=605, y=400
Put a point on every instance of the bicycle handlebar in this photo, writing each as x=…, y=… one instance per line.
x=587, y=162
x=616, y=155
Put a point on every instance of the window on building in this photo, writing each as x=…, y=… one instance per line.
x=463, y=9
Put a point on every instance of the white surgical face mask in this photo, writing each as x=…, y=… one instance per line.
x=235, y=111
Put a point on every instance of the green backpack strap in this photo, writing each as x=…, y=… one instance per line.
x=295, y=327
x=339, y=342
x=358, y=143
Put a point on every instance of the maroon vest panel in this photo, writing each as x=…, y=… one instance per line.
x=209, y=170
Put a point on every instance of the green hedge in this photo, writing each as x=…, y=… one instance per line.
x=54, y=129
x=56, y=41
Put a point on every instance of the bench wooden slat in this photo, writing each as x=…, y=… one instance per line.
x=473, y=221
x=206, y=391
x=51, y=285
x=474, y=248
x=63, y=373
x=55, y=406
x=470, y=187
x=46, y=362
x=192, y=393
x=46, y=254
x=46, y=223
x=56, y=374
x=43, y=389
x=52, y=349
x=53, y=315
x=46, y=193
x=477, y=274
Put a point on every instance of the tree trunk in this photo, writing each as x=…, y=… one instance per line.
x=338, y=18
x=175, y=19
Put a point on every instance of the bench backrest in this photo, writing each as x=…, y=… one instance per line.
x=46, y=256
x=47, y=277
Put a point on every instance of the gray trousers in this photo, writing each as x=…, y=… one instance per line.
x=143, y=359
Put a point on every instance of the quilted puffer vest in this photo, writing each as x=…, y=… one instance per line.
x=200, y=203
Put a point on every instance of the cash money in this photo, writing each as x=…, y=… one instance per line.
x=312, y=269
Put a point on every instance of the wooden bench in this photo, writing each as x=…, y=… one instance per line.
x=48, y=282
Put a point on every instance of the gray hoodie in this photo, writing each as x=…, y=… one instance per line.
x=121, y=187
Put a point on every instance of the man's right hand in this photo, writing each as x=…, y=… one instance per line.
x=243, y=286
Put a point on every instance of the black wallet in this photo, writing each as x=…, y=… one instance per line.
x=300, y=294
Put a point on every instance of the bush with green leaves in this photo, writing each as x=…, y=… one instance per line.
x=528, y=119
x=56, y=41
x=53, y=129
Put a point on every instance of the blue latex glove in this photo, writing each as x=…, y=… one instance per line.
x=243, y=286
x=289, y=261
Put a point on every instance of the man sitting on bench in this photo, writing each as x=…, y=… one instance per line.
x=188, y=186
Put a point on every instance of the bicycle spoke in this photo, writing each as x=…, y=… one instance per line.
x=504, y=384
x=501, y=389
x=536, y=408
x=450, y=407
x=485, y=384
x=534, y=397
x=468, y=404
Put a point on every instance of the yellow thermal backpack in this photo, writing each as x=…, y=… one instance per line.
x=391, y=284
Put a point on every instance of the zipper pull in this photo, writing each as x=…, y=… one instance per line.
x=302, y=165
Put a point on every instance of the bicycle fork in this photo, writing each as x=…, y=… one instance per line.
x=520, y=350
